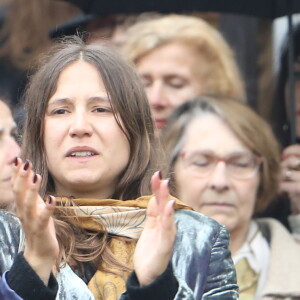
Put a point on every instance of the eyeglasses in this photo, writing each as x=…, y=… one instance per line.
x=238, y=165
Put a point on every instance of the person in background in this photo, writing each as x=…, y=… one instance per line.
x=286, y=206
x=9, y=149
x=180, y=57
x=223, y=161
x=89, y=141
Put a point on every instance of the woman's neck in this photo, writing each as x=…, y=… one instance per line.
x=84, y=193
x=238, y=236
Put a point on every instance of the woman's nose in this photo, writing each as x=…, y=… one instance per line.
x=13, y=150
x=156, y=96
x=219, y=177
x=80, y=125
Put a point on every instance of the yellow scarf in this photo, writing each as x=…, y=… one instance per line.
x=121, y=218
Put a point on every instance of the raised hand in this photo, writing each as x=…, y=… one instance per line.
x=155, y=246
x=290, y=183
x=41, y=250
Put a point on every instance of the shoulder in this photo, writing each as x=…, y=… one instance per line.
x=268, y=226
x=201, y=257
x=9, y=224
x=11, y=239
x=8, y=216
x=195, y=223
x=275, y=232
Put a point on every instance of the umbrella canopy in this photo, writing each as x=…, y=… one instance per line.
x=261, y=8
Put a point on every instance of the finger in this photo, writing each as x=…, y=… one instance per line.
x=290, y=175
x=20, y=183
x=168, y=219
x=48, y=210
x=151, y=213
x=163, y=196
x=31, y=196
x=155, y=186
x=16, y=167
x=291, y=162
x=292, y=188
x=155, y=182
x=152, y=209
x=293, y=150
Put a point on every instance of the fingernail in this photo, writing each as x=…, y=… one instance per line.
x=50, y=199
x=168, y=181
x=35, y=178
x=26, y=165
x=160, y=175
x=16, y=161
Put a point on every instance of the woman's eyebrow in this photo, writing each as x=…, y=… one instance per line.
x=59, y=101
x=69, y=100
x=99, y=99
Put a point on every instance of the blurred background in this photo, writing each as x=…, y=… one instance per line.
x=28, y=28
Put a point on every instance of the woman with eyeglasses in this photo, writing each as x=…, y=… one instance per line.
x=223, y=160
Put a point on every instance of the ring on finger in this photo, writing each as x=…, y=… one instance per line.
x=297, y=165
x=288, y=175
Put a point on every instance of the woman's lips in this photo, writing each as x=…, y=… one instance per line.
x=160, y=123
x=220, y=205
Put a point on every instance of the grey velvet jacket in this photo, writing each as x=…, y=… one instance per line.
x=201, y=260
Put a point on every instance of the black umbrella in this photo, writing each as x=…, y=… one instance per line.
x=260, y=8
x=263, y=8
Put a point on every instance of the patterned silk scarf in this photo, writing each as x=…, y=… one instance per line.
x=121, y=218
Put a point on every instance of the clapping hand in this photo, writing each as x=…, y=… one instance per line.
x=290, y=182
x=42, y=248
x=155, y=246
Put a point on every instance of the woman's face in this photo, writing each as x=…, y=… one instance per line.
x=85, y=148
x=226, y=198
x=170, y=75
x=9, y=149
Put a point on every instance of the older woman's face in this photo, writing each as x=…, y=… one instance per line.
x=171, y=76
x=220, y=193
x=85, y=148
x=9, y=149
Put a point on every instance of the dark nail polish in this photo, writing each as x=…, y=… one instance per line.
x=16, y=161
x=35, y=178
x=160, y=175
x=26, y=165
x=50, y=199
x=169, y=182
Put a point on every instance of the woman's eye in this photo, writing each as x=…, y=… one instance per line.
x=60, y=111
x=102, y=109
x=176, y=82
x=177, y=85
x=241, y=163
x=200, y=162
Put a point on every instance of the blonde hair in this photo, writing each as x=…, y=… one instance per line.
x=221, y=75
